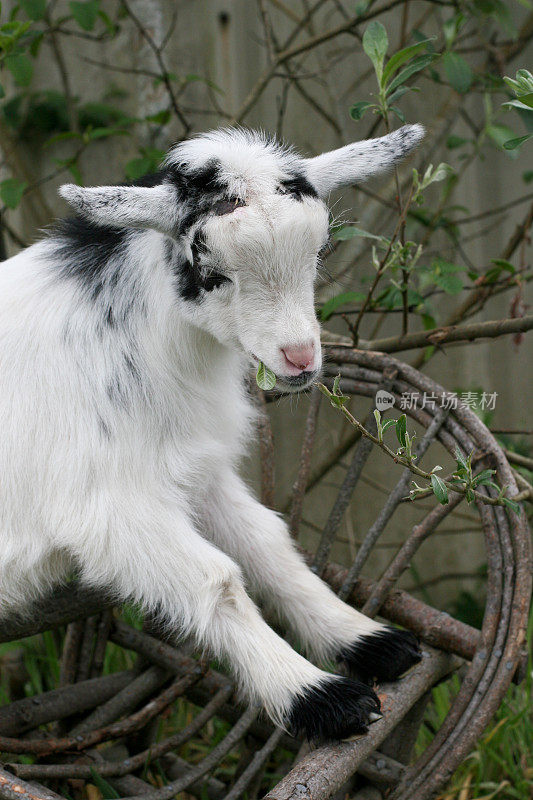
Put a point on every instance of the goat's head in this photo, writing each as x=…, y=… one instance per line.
x=245, y=221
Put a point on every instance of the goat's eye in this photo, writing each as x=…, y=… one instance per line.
x=227, y=205
x=214, y=280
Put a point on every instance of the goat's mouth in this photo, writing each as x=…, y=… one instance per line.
x=296, y=383
x=290, y=383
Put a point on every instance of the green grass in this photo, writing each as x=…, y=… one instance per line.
x=501, y=766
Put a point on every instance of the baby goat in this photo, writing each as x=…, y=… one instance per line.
x=126, y=336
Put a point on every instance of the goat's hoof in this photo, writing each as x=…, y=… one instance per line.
x=336, y=708
x=384, y=656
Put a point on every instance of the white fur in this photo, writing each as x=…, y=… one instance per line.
x=119, y=444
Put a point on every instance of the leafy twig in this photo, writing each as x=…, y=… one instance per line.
x=462, y=481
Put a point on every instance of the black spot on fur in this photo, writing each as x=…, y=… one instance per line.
x=298, y=187
x=150, y=180
x=384, y=655
x=131, y=369
x=334, y=709
x=197, y=189
x=194, y=277
x=116, y=392
x=104, y=429
x=84, y=250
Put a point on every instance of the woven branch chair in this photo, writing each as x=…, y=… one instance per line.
x=121, y=707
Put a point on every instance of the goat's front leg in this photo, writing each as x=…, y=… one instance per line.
x=161, y=561
x=259, y=541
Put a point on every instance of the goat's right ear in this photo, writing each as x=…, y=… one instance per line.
x=154, y=207
x=358, y=161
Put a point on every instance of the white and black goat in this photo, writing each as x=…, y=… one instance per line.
x=125, y=339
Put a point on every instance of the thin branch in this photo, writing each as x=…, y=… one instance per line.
x=398, y=459
x=300, y=485
x=446, y=335
x=392, y=502
x=309, y=44
x=401, y=561
x=164, y=76
x=491, y=212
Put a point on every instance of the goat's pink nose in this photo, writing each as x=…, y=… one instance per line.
x=300, y=356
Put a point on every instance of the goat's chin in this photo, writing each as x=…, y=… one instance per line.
x=298, y=383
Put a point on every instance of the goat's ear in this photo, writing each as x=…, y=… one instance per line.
x=125, y=206
x=360, y=160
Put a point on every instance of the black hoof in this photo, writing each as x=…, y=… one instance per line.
x=383, y=656
x=334, y=709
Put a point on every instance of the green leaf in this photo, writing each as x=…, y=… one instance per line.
x=401, y=430
x=34, y=9
x=399, y=92
x=61, y=137
x=138, y=167
x=2, y=91
x=85, y=13
x=337, y=398
x=520, y=104
x=11, y=191
x=161, y=118
x=387, y=424
x=461, y=460
x=339, y=300
x=500, y=134
x=399, y=58
x=483, y=478
x=458, y=72
x=75, y=172
x=512, y=504
x=439, y=489
x=350, y=232
x=451, y=284
x=21, y=67
x=417, y=65
x=512, y=144
x=148, y=162
x=398, y=113
x=503, y=264
x=375, y=44
x=105, y=133
x=527, y=176
x=358, y=109
x=444, y=275
x=265, y=378
x=108, y=22
x=452, y=142
x=36, y=43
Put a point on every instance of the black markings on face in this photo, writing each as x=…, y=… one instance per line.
x=198, y=189
x=298, y=187
x=196, y=277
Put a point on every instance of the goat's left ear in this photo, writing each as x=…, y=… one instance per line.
x=125, y=206
x=357, y=162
